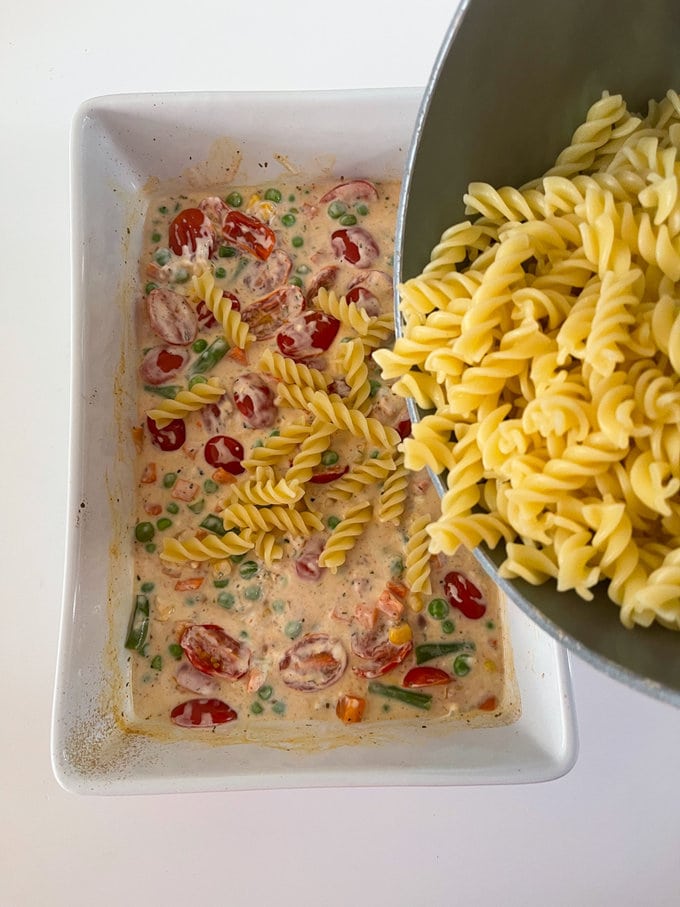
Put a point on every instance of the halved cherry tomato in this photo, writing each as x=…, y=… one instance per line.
x=464, y=595
x=325, y=278
x=374, y=647
x=351, y=191
x=171, y=317
x=350, y=709
x=308, y=335
x=211, y=417
x=328, y=475
x=355, y=246
x=254, y=399
x=307, y=563
x=162, y=363
x=315, y=662
x=189, y=678
x=202, y=713
x=191, y=230
x=224, y=452
x=214, y=207
x=267, y=315
x=404, y=428
x=211, y=650
x=249, y=234
x=426, y=677
x=171, y=437
x=263, y=277
x=365, y=300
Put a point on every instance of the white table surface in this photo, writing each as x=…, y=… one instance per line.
x=607, y=833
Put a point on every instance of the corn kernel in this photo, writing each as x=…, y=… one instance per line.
x=490, y=666
x=401, y=634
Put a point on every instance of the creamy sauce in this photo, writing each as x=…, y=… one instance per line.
x=301, y=636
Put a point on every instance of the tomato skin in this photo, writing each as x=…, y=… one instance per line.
x=249, y=234
x=404, y=428
x=172, y=437
x=350, y=191
x=206, y=319
x=222, y=451
x=374, y=648
x=325, y=278
x=263, y=277
x=464, y=595
x=171, y=317
x=212, y=651
x=162, y=363
x=426, y=677
x=314, y=662
x=350, y=709
x=365, y=300
x=254, y=399
x=266, y=316
x=308, y=335
x=189, y=227
x=356, y=246
x=307, y=563
x=202, y=713
x=330, y=475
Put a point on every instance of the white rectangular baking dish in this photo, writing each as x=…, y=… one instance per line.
x=119, y=145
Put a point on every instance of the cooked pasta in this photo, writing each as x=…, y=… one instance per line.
x=344, y=536
x=335, y=412
x=186, y=402
x=368, y=472
x=348, y=313
x=545, y=340
x=291, y=372
x=393, y=494
x=236, y=331
x=210, y=548
x=248, y=516
x=417, y=562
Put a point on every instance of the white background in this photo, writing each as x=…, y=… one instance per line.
x=608, y=833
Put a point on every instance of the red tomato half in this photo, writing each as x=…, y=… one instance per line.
x=315, y=662
x=307, y=563
x=375, y=648
x=325, y=278
x=355, y=246
x=225, y=452
x=169, y=438
x=404, y=428
x=263, y=277
x=254, y=399
x=308, y=335
x=351, y=191
x=202, y=713
x=162, y=363
x=426, y=677
x=212, y=651
x=192, y=230
x=364, y=299
x=171, y=317
x=464, y=595
x=249, y=234
x=267, y=315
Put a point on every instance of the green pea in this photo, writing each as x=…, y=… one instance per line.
x=181, y=275
x=336, y=209
x=258, y=443
x=347, y=220
x=438, y=608
x=157, y=662
x=332, y=522
x=265, y=692
x=199, y=345
x=329, y=458
x=293, y=629
x=236, y=558
x=155, y=237
x=291, y=198
x=274, y=433
x=295, y=281
x=302, y=269
x=197, y=506
x=172, y=507
x=175, y=650
x=288, y=220
x=448, y=626
x=148, y=587
x=150, y=286
x=163, y=209
x=162, y=256
x=169, y=479
x=256, y=708
x=279, y=708
x=279, y=606
x=490, y=625
x=196, y=379
x=163, y=523
x=461, y=665
x=374, y=454
x=362, y=210
x=220, y=273
x=273, y=195
x=397, y=567
x=375, y=386
x=221, y=582
x=253, y=593
x=235, y=199
x=144, y=532
x=213, y=523
x=227, y=252
x=248, y=569
x=297, y=242
x=226, y=600
x=210, y=487
x=150, y=547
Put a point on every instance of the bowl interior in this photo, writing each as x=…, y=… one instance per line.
x=505, y=95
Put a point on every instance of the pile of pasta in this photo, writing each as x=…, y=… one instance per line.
x=543, y=339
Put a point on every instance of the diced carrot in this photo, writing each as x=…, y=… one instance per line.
x=200, y=534
x=366, y=615
x=397, y=589
x=153, y=271
x=390, y=606
x=149, y=475
x=185, y=585
x=190, y=451
x=138, y=437
x=350, y=709
x=489, y=704
x=153, y=509
x=222, y=477
x=183, y=490
x=256, y=678
x=238, y=355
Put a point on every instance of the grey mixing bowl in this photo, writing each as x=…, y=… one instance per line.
x=512, y=81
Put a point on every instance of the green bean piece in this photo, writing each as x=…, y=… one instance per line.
x=169, y=391
x=150, y=286
x=172, y=507
x=175, y=650
x=199, y=345
x=273, y=195
x=288, y=220
x=235, y=199
x=162, y=256
x=213, y=523
x=144, y=532
x=438, y=608
x=336, y=209
x=163, y=523
x=157, y=662
x=347, y=220
x=139, y=624
x=169, y=479
x=329, y=458
x=461, y=665
x=409, y=697
x=248, y=569
x=429, y=650
x=210, y=357
x=265, y=692
x=226, y=600
x=197, y=506
x=227, y=252
x=220, y=273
